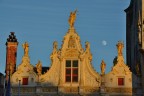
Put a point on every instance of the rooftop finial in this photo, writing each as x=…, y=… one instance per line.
x=103, y=66
x=26, y=48
x=120, y=46
x=72, y=18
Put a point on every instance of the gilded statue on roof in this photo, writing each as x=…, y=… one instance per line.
x=26, y=48
x=72, y=18
x=103, y=66
x=39, y=67
x=120, y=46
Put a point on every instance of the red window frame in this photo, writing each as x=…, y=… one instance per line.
x=71, y=77
x=68, y=75
x=25, y=81
x=75, y=75
x=120, y=81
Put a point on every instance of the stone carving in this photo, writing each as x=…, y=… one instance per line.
x=103, y=66
x=72, y=18
x=71, y=53
x=114, y=70
x=87, y=46
x=55, y=48
x=39, y=67
x=26, y=48
x=139, y=28
x=25, y=60
x=120, y=46
x=87, y=51
x=71, y=43
x=55, y=45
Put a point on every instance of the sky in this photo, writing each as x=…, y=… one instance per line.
x=41, y=22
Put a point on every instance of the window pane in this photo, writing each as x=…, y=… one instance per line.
x=68, y=78
x=75, y=71
x=68, y=63
x=68, y=71
x=75, y=63
x=75, y=78
x=120, y=81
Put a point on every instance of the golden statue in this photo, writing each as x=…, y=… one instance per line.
x=120, y=46
x=103, y=66
x=39, y=67
x=26, y=48
x=72, y=18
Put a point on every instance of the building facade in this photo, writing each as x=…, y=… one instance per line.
x=72, y=72
x=135, y=37
x=2, y=84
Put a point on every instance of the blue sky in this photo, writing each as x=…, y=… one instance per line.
x=41, y=22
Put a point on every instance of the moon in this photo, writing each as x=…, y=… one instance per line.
x=104, y=43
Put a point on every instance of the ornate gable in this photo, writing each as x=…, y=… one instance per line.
x=120, y=67
x=25, y=69
x=120, y=73
x=71, y=51
x=71, y=46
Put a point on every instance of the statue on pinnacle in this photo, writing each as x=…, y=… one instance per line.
x=72, y=18
x=120, y=46
x=26, y=48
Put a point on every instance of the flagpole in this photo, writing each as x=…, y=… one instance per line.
x=19, y=88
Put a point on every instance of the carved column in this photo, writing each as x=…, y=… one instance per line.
x=82, y=77
x=61, y=75
x=61, y=79
x=81, y=72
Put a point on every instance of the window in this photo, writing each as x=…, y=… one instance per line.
x=71, y=71
x=120, y=81
x=25, y=81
